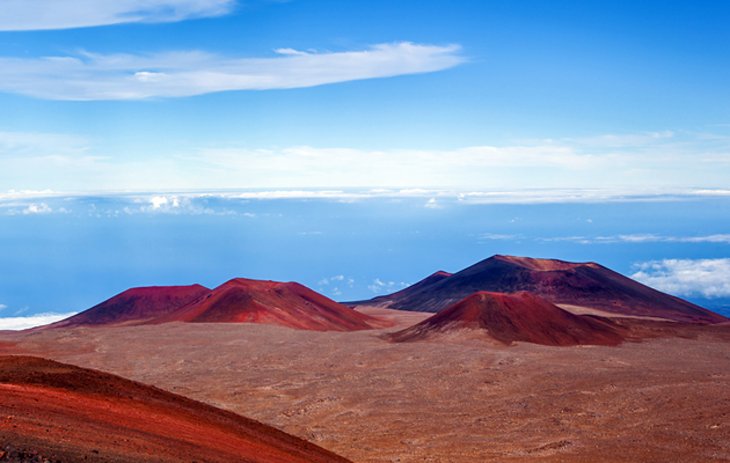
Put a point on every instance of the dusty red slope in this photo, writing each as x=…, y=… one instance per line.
x=288, y=304
x=515, y=317
x=73, y=414
x=581, y=284
x=136, y=305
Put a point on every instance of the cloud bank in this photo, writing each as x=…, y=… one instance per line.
x=22, y=323
x=549, y=171
x=26, y=15
x=91, y=76
x=709, y=278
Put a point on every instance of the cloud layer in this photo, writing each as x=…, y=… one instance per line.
x=25, y=15
x=22, y=323
x=547, y=171
x=91, y=76
x=709, y=278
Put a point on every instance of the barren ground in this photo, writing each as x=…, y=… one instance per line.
x=452, y=399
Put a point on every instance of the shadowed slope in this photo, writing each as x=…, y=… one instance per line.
x=405, y=293
x=515, y=317
x=67, y=413
x=135, y=305
x=579, y=284
x=288, y=304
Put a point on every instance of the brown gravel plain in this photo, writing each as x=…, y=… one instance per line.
x=455, y=398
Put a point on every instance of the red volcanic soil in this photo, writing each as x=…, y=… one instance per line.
x=288, y=304
x=65, y=413
x=579, y=284
x=515, y=317
x=135, y=305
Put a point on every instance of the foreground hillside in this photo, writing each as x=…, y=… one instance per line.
x=69, y=414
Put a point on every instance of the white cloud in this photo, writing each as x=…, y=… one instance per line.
x=379, y=286
x=90, y=76
x=39, y=143
x=37, y=208
x=333, y=285
x=177, y=204
x=499, y=237
x=22, y=323
x=571, y=169
x=624, y=140
x=643, y=238
x=664, y=168
x=159, y=202
x=686, y=277
x=23, y=15
x=717, y=192
x=25, y=194
x=289, y=52
x=3, y=306
x=432, y=203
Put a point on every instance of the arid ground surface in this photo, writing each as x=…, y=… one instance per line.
x=459, y=398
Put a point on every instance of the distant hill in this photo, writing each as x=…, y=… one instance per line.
x=136, y=305
x=237, y=301
x=56, y=412
x=293, y=305
x=515, y=317
x=582, y=285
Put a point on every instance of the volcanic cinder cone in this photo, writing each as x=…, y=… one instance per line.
x=583, y=285
x=257, y=301
x=508, y=318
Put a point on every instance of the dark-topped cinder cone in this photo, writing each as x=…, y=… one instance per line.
x=293, y=305
x=581, y=285
x=509, y=318
x=405, y=293
x=135, y=305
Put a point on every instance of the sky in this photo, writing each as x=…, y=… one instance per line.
x=195, y=112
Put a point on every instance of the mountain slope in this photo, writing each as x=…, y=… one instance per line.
x=406, y=292
x=578, y=284
x=65, y=413
x=515, y=317
x=257, y=301
x=136, y=305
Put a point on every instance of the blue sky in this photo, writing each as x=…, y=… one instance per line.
x=446, y=94
x=128, y=121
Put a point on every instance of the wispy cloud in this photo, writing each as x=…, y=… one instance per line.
x=334, y=285
x=643, y=238
x=526, y=172
x=24, y=15
x=22, y=323
x=499, y=237
x=40, y=143
x=37, y=208
x=379, y=286
x=625, y=163
x=709, y=278
x=91, y=76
